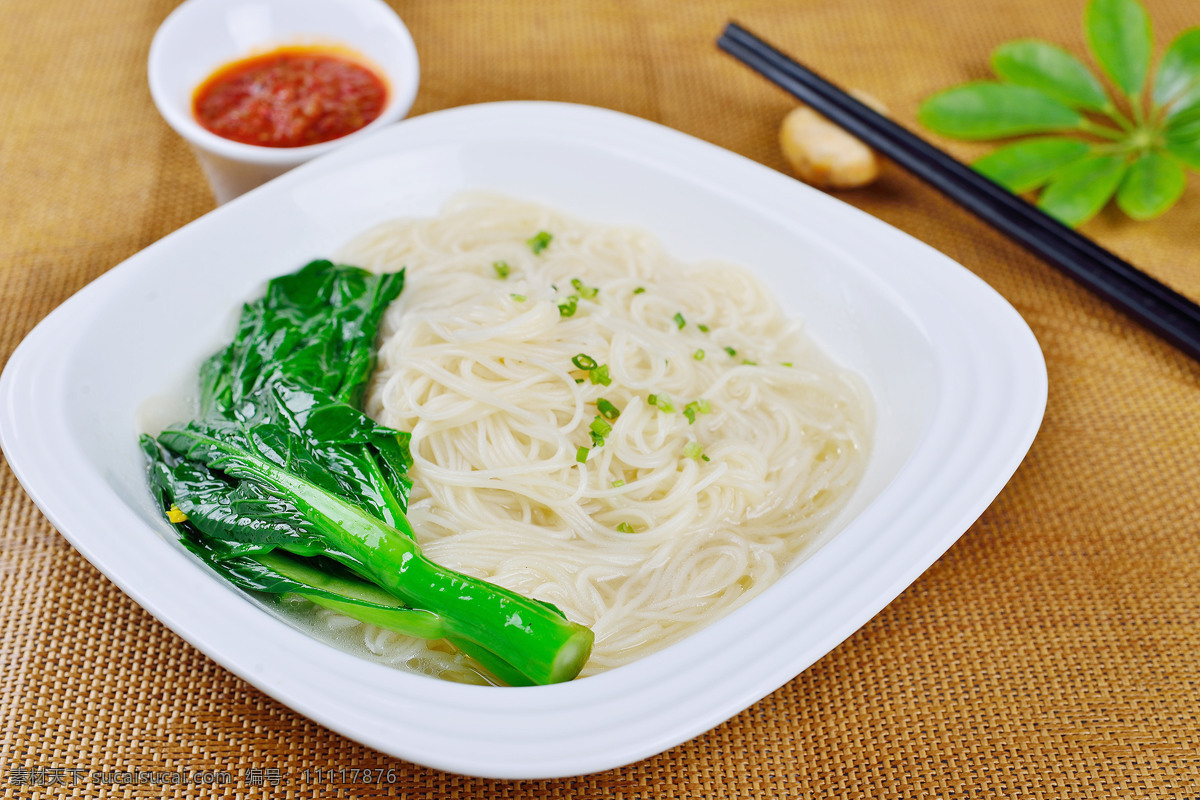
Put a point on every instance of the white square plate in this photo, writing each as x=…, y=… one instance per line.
x=958, y=379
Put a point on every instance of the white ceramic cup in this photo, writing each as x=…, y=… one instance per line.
x=200, y=36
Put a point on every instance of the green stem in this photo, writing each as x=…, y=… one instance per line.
x=525, y=634
x=364, y=602
x=534, y=640
x=394, y=512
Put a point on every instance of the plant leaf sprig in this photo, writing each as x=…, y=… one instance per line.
x=1090, y=146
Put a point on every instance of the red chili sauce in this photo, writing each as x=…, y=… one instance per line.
x=290, y=97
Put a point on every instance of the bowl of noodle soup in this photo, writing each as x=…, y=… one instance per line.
x=810, y=407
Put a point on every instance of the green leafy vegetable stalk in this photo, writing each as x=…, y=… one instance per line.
x=1091, y=146
x=284, y=487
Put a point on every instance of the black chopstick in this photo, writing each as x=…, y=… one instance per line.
x=1155, y=305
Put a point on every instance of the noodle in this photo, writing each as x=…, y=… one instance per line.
x=668, y=523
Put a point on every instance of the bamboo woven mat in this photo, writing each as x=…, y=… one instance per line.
x=1052, y=652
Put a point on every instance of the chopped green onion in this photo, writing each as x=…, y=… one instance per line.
x=731, y=351
x=625, y=527
x=748, y=361
x=679, y=320
x=586, y=292
x=652, y=399
x=600, y=375
x=693, y=450
x=698, y=355
x=520, y=298
x=607, y=409
x=600, y=426
x=567, y=309
x=539, y=242
x=695, y=407
x=704, y=457
x=581, y=454
x=502, y=269
x=703, y=328
x=661, y=401
x=584, y=361
x=618, y=483
x=786, y=363
x=597, y=440
x=639, y=290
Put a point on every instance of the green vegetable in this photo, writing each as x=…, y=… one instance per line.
x=539, y=242
x=586, y=292
x=625, y=527
x=607, y=409
x=695, y=407
x=1095, y=151
x=661, y=401
x=600, y=428
x=284, y=486
x=502, y=269
x=568, y=308
x=679, y=320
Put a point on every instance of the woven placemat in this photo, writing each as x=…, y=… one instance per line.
x=1051, y=653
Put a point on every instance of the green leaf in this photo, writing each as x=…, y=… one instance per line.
x=1179, y=71
x=1186, y=104
x=1119, y=35
x=1183, y=127
x=1027, y=164
x=1187, y=152
x=1182, y=135
x=316, y=326
x=1081, y=189
x=1051, y=69
x=1152, y=185
x=988, y=110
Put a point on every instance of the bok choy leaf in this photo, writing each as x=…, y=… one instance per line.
x=284, y=486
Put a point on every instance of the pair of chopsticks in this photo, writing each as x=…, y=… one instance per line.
x=1155, y=305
